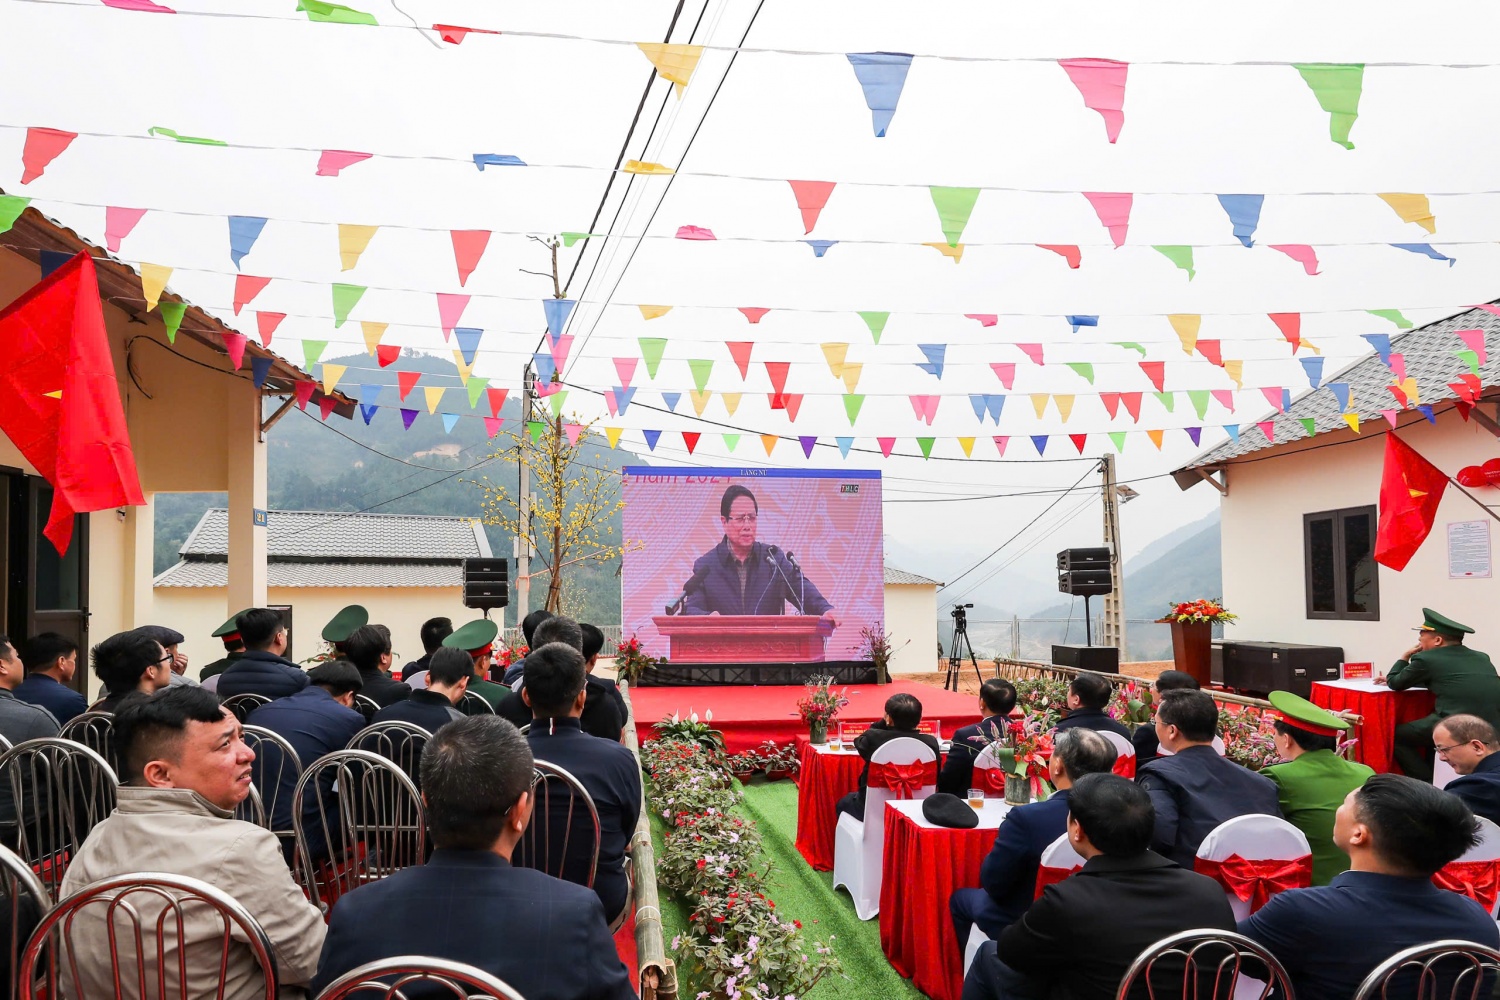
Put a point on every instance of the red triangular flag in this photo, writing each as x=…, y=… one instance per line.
x=793, y=403
x=267, y=322
x=1132, y=401
x=386, y=354
x=468, y=247
x=1111, y=401
x=753, y=313
x=1268, y=428
x=690, y=439
x=1290, y=325
x=247, y=287
x=43, y=145
x=304, y=390
x=739, y=350
x=777, y=370
x=234, y=346
x=1156, y=371
x=1079, y=440
x=497, y=399
x=811, y=197
x=326, y=406
x=1210, y=351
x=1410, y=490
x=1068, y=251
x=406, y=382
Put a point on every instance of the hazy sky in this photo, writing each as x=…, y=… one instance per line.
x=1000, y=115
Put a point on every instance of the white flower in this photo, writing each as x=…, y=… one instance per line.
x=708, y=715
x=693, y=716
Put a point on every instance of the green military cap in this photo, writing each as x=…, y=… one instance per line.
x=1444, y=626
x=476, y=637
x=342, y=625
x=1298, y=712
x=231, y=627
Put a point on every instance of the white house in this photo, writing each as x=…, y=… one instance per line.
x=1299, y=515
x=911, y=621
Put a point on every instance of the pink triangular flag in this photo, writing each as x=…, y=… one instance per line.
x=1000, y=443
x=1069, y=252
x=334, y=160
x=1273, y=396
x=1268, y=428
x=492, y=426
x=497, y=400
x=1032, y=351
x=1390, y=416
x=886, y=444
x=1398, y=366
x=572, y=431
x=1102, y=84
x=1290, y=325
x=1301, y=253
x=1111, y=401
x=266, y=323
x=609, y=400
x=1225, y=398
x=406, y=382
x=1113, y=209
x=739, y=350
x=1483, y=305
x=1156, y=371
x=792, y=403
x=234, y=346
x=560, y=348
x=144, y=6
x=625, y=368
x=695, y=233
x=247, y=287
x=811, y=197
x=1006, y=372
x=118, y=222
x=753, y=313
x=985, y=319
x=450, y=309
x=1474, y=341
x=925, y=407
x=468, y=247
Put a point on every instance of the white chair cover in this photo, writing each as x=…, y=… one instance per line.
x=985, y=762
x=858, y=845
x=1254, y=837
x=1058, y=857
x=1124, y=753
x=977, y=937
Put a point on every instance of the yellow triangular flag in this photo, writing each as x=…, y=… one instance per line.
x=153, y=283
x=1236, y=371
x=673, y=62
x=1310, y=346
x=1186, y=325
x=1412, y=208
x=731, y=401
x=1410, y=388
x=464, y=371
x=612, y=435
x=1064, y=406
x=955, y=252
x=1039, y=403
x=851, y=374
x=654, y=312
x=700, y=399
x=331, y=376
x=769, y=440
x=352, y=242
x=434, y=394
x=637, y=167
x=54, y=394
x=373, y=333
x=1155, y=437
x=967, y=444
x=1352, y=419
x=835, y=354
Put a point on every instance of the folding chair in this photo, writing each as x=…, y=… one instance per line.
x=24, y=900
x=391, y=979
x=241, y=705
x=1206, y=965
x=95, y=730
x=61, y=791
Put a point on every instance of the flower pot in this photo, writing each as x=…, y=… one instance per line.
x=817, y=731
x=1017, y=790
x=1192, y=648
x=777, y=773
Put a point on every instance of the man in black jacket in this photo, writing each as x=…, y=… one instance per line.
x=1144, y=738
x=262, y=670
x=903, y=714
x=432, y=708
x=433, y=632
x=1079, y=937
x=603, y=715
x=996, y=699
x=1088, y=697
x=369, y=649
x=1468, y=744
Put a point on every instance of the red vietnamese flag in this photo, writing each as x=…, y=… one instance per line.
x=1410, y=490
x=59, y=398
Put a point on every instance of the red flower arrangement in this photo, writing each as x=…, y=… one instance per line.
x=1202, y=610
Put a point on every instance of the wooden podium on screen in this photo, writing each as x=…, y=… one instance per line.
x=745, y=638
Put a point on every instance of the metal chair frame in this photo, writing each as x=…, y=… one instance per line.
x=95, y=730
x=398, y=742
x=473, y=704
x=241, y=705
x=1193, y=948
x=286, y=756
x=454, y=979
x=19, y=883
x=1421, y=960
x=379, y=827
x=40, y=978
x=252, y=809
x=366, y=706
x=528, y=853
x=49, y=772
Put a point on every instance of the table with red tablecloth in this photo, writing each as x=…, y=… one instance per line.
x=825, y=777
x=921, y=867
x=1383, y=710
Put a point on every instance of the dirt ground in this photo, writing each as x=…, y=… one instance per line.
x=969, y=684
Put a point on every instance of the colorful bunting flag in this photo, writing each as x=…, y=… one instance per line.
x=984, y=319
x=739, y=351
x=673, y=62
x=1244, y=214
x=1199, y=399
x=1309, y=425
x=812, y=197
x=1186, y=327
x=876, y=322
x=154, y=279
x=1235, y=370
x=455, y=34
x=881, y=76
x=353, y=240
x=468, y=342
x=653, y=312
x=820, y=247
x=345, y=298
x=1156, y=371
x=247, y=287
x=333, y=13
x=372, y=334
x=450, y=306
x=43, y=145
x=1064, y=405
x=171, y=317
x=845, y=443
x=886, y=445
x=1337, y=87
x=244, y=230
x=1426, y=250
x=1102, y=84
x=625, y=368
x=1077, y=321
x=1067, y=251
x=1083, y=369
x=331, y=373
x=954, y=206
x=144, y=6
x=695, y=233
x=967, y=444
x=1381, y=342
x=934, y=354
x=753, y=313
x=1180, y=255
x=468, y=247
x=769, y=442
x=808, y=442
x=1005, y=371
x=387, y=355
x=639, y=167
x=1340, y=392
x=1032, y=351
x=1301, y=253
x=953, y=253
x=334, y=160
x=11, y=207
x=260, y=370
x=1156, y=437
x=690, y=440
x=1113, y=210
x=1352, y=419
x=1411, y=208
x=925, y=443
x=612, y=434
x=1314, y=369
x=1290, y=325
x=1474, y=341
x=1394, y=315
x=701, y=368
x=118, y=223
x=1039, y=442
x=651, y=352
x=482, y=160
x=731, y=401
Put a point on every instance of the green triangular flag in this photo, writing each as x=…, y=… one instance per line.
x=1083, y=368
x=334, y=13
x=1199, y=398
x=11, y=207
x=476, y=389
x=926, y=445
x=731, y=441
x=557, y=399
x=1167, y=399
x=954, y=206
x=1394, y=315
x=345, y=297
x=1118, y=437
x=536, y=428
x=700, y=369
x=1308, y=422
x=1131, y=346
x=312, y=350
x=1470, y=358
x=852, y=402
x=570, y=238
x=1181, y=256
x=651, y=351
x=876, y=322
x=171, y=315
x=1337, y=87
x=195, y=140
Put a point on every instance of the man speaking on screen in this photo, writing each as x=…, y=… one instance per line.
x=741, y=576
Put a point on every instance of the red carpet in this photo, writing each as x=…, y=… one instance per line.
x=748, y=716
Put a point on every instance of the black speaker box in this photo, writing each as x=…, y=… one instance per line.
x=486, y=583
x=1100, y=659
x=1262, y=667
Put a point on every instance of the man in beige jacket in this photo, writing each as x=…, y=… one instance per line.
x=186, y=768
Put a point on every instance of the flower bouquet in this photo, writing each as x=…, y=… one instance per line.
x=1202, y=611
x=630, y=662
x=819, y=707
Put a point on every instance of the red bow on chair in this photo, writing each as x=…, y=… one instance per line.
x=1125, y=766
x=1479, y=880
x=904, y=780
x=991, y=779
x=1256, y=882
x=1046, y=876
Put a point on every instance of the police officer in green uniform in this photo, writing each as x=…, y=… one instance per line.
x=477, y=638
x=1462, y=680
x=342, y=625
x=1314, y=781
x=234, y=648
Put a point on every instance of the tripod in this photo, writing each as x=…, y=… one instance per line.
x=956, y=649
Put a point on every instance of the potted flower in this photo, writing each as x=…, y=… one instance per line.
x=1192, y=635
x=819, y=707
x=1024, y=758
x=631, y=662
x=779, y=759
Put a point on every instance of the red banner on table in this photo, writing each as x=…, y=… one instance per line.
x=1358, y=671
x=1479, y=880
x=904, y=780
x=1256, y=882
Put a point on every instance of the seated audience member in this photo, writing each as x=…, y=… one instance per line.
x=51, y=661
x=996, y=699
x=19, y=721
x=1397, y=832
x=1467, y=743
x=529, y=626
x=601, y=716
x=1082, y=933
x=1195, y=789
x=1008, y=876
x=1144, y=737
x=128, y=662
x=593, y=645
x=903, y=714
x=234, y=649
x=170, y=639
x=317, y=720
x=369, y=649
x=186, y=768
x=477, y=639
x=448, y=674
x=555, y=689
x=1313, y=782
x=263, y=669
x=1088, y=697
x=432, y=634
x=556, y=945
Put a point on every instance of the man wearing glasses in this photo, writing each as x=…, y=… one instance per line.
x=742, y=576
x=127, y=662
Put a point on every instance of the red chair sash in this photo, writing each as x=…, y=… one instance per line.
x=1256, y=882
x=1479, y=880
x=991, y=779
x=904, y=780
x=1125, y=766
x=1046, y=876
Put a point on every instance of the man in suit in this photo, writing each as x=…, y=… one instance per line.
x=263, y=669
x=556, y=690
x=477, y=638
x=603, y=716
x=1088, y=697
x=1462, y=680
x=556, y=945
x=1008, y=876
x=1079, y=937
x=369, y=649
x=1315, y=780
x=51, y=661
x=996, y=700
x=1144, y=738
x=234, y=648
x=1397, y=832
x=903, y=714
x=1195, y=789
x=1468, y=744
x=433, y=707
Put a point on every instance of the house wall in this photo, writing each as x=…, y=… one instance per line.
x=1263, y=546
x=911, y=613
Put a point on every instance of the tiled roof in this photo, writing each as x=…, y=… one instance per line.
x=322, y=535
x=215, y=573
x=1430, y=359
x=901, y=576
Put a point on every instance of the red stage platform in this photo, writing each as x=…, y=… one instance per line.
x=748, y=716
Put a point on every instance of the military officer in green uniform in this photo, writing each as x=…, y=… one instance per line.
x=477, y=638
x=234, y=648
x=1314, y=781
x=1462, y=680
x=342, y=625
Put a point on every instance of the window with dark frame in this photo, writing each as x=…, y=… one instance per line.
x=1342, y=581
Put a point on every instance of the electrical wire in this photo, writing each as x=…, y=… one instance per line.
x=1018, y=534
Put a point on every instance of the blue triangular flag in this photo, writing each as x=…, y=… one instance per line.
x=260, y=368
x=881, y=75
x=671, y=399
x=651, y=438
x=1286, y=400
x=1196, y=434
x=244, y=230
x=934, y=363
x=449, y=420
x=1427, y=412
x=482, y=160
x=368, y=412
x=1382, y=344
x=994, y=403
x=407, y=417
x=1040, y=441
x=977, y=400
x=468, y=342
x=820, y=247
x=368, y=394
x=557, y=312
x=51, y=260
x=1314, y=369
x=1076, y=321
x=844, y=445
x=1426, y=250
x=1233, y=431
x=1340, y=392
x=623, y=397
x=545, y=367
x=1244, y=214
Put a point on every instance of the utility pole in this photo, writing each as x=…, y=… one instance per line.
x=1113, y=632
x=522, y=541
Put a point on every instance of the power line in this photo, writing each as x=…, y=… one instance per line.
x=1012, y=538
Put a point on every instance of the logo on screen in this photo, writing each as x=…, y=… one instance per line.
x=849, y=488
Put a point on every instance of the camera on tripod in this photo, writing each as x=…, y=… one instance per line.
x=958, y=611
